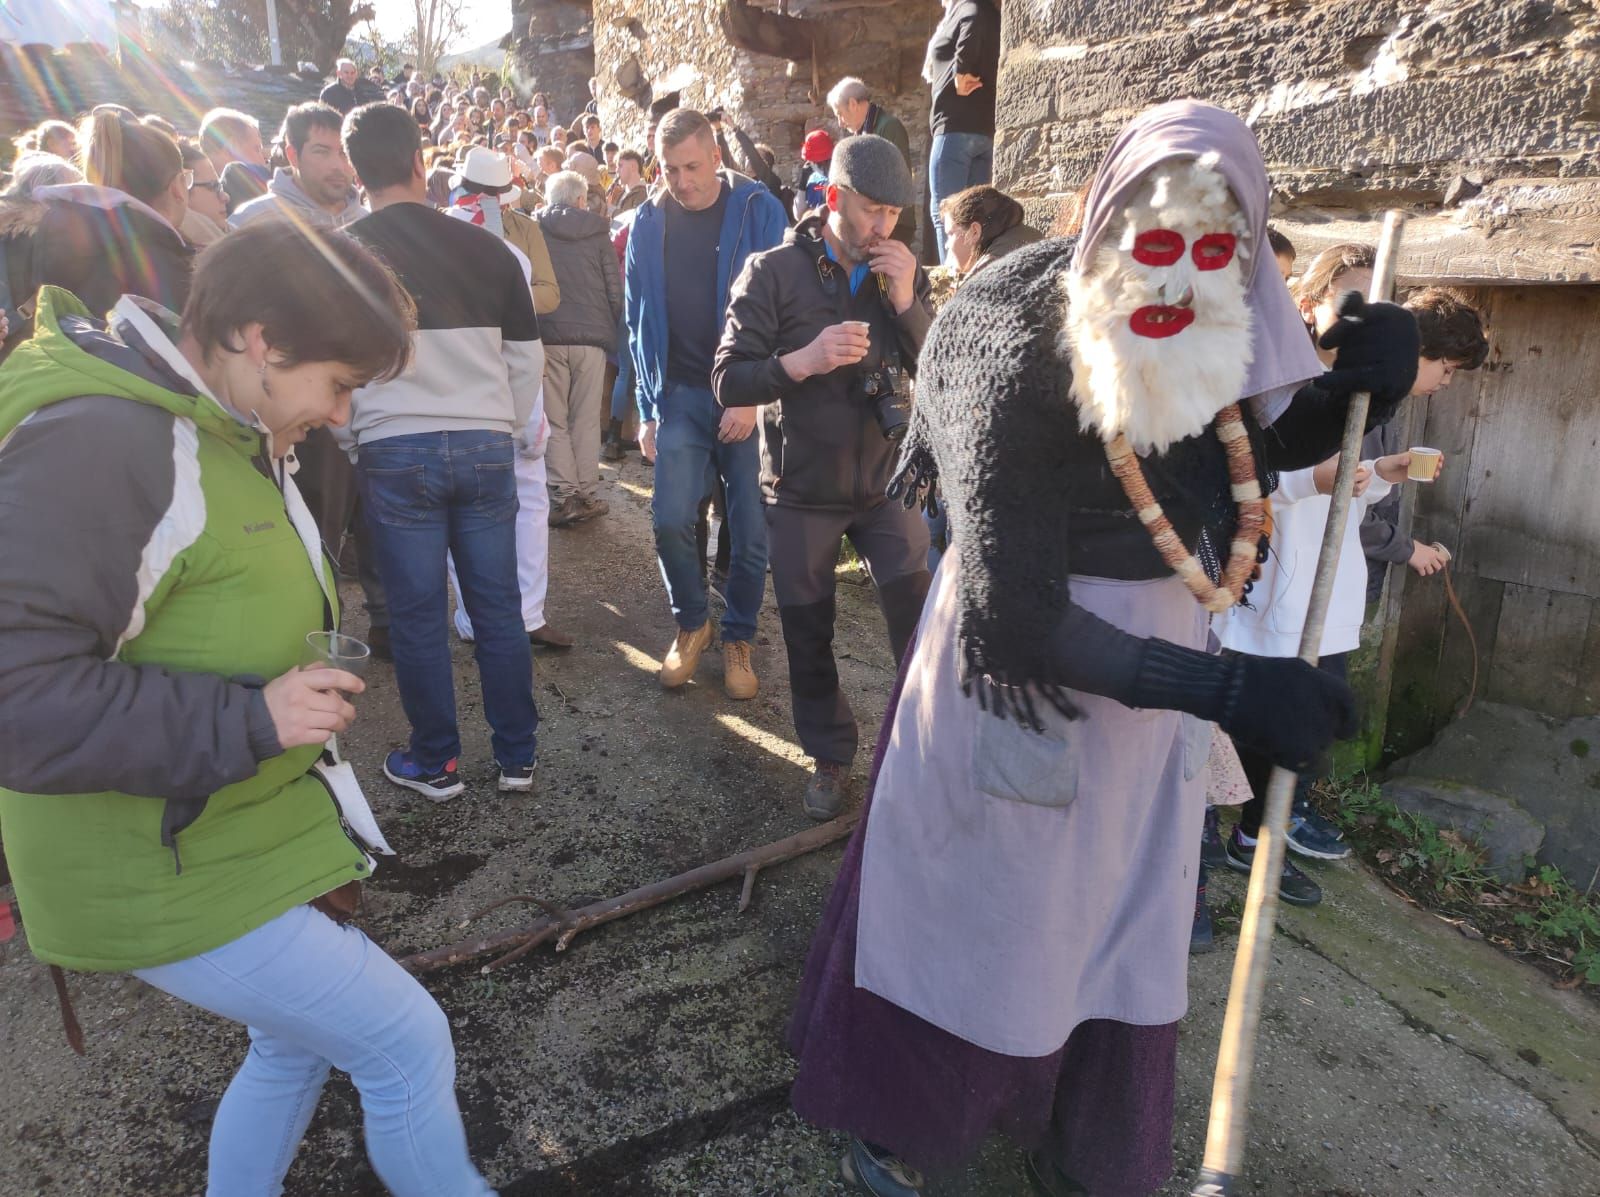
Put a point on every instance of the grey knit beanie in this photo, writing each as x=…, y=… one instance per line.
x=871, y=166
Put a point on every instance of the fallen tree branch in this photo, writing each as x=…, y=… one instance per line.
x=569, y=924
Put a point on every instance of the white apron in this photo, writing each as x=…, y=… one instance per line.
x=1015, y=884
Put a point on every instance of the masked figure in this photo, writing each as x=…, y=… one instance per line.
x=1005, y=948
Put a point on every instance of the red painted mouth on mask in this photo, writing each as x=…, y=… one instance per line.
x=1155, y=320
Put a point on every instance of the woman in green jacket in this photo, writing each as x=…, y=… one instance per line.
x=159, y=574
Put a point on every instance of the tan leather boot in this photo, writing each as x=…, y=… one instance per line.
x=684, y=655
x=738, y=678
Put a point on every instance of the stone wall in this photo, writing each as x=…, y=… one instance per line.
x=647, y=50
x=554, y=44
x=1355, y=102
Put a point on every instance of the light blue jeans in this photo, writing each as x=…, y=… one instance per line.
x=316, y=995
x=956, y=161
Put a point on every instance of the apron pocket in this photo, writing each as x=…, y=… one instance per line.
x=1017, y=763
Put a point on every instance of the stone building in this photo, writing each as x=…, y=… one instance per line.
x=770, y=69
x=1481, y=120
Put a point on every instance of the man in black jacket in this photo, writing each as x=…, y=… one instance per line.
x=824, y=331
x=349, y=90
x=962, y=64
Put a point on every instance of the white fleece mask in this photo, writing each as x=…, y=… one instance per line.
x=1157, y=326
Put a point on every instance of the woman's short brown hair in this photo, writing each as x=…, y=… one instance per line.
x=324, y=298
x=992, y=210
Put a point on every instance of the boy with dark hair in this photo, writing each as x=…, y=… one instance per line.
x=1452, y=339
x=1282, y=250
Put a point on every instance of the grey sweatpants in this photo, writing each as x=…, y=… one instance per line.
x=803, y=548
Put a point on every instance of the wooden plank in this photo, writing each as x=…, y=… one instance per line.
x=1516, y=231
x=1532, y=519
x=1538, y=649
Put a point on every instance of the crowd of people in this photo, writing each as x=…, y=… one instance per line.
x=401, y=339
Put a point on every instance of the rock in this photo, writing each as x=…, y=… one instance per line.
x=1507, y=832
x=1523, y=765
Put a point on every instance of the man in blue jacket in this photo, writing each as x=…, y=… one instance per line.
x=688, y=243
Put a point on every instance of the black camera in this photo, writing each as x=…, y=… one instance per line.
x=888, y=389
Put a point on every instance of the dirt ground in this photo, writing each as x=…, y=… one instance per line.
x=1396, y=1058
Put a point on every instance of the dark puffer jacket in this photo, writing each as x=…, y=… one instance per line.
x=591, y=283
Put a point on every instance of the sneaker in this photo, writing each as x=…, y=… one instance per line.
x=435, y=784
x=1201, y=939
x=738, y=678
x=684, y=655
x=873, y=1170
x=1313, y=835
x=519, y=778
x=378, y=642
x=824, y=796
x=1049, y=1177
x=566, y=512
x=545, y=636
x=1212, y=853
x=1294, y=887
x=590, y=507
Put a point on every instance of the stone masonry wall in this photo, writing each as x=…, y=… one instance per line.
x=1355, y=102
x=646, y=49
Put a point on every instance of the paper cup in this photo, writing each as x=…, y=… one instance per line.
x=1425, y=464
x=861, y=326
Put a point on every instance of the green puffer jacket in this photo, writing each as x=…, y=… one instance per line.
x=152, y=575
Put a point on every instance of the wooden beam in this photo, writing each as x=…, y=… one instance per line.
x=1513, y=232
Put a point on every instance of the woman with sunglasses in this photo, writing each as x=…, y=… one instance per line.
x=207, y=218
x=117, y=233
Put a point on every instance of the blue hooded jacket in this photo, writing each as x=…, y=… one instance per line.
x=754, y=221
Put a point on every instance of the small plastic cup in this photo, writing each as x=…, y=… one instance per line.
x=861, y=326
x=333, y=650
x=1425, y=464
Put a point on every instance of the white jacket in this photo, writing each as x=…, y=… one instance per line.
x=1271, y=625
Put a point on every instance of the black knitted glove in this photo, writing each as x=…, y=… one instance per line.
x=1278, y=707
x=1378, y=348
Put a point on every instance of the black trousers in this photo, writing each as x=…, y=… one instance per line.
x=803, y=547
x=1258, y=769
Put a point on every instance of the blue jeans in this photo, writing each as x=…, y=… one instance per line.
x=956, y=161
x=316, y=995
x=427, y=493
x=688, y=458
x=622, y=391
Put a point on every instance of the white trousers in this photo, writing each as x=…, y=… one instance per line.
x=533, y=548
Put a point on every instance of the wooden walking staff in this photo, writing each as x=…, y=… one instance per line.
x=1230, y=1091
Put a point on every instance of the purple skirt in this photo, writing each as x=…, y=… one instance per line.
x=1100, y=1107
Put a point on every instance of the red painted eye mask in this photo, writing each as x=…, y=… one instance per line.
x=1157, y=247
x=1213, y=251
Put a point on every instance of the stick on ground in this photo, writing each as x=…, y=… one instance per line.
x=515, y=942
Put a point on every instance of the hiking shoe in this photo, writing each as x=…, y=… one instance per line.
x=1294, y=887
x=518, y=779
x=545, y=636
x=1313, y=835
x=873, y=1170
x=1050, y=1179
x=684, y=655
x=590, y=507
x=378, y=642
x=1201, y=939
x=738, y=678
x=434, y=784
x=612, y=450
x=566, y=512
x=1212, y=854
x=824, y=796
